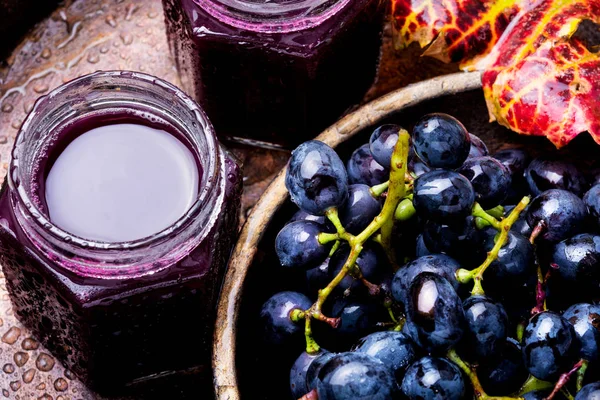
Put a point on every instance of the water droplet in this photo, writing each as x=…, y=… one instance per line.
x=130, y=9
x=3, y=140
x=69, y=374
x=7, y=107
x=103, y=49
x=8, y=368
x=5, y=393
x=61, y=384
x=15, y=385
x=29, y=375
x=44, y=362
x=110, y=19
x=45, y=396
x=93, y=58
x=152, y=14
x=41, y=88
x=21, y=358
x=126, y=38
x=29, y=344
x=12, y=335
x=46, y=53
x=41, y=386
x=28, y=106
x=16, y=124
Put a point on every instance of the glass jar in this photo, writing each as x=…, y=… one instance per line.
x=275, y=71
x=118, y=314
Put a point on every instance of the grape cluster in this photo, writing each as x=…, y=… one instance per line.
x=434, y=270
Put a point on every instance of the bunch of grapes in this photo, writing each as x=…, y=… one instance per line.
x=430, y=274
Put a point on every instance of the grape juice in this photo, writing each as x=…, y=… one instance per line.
x=103, y=185
x=275, y=71
x=116, y=222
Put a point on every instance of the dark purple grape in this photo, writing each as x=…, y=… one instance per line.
x=312, y=373
x=394, y=349
x=585, y=319
x=549, y=346
x=317, y=278
x=478, y=147
x=578, y=261
x=434, y=313
x=490, y=179
x=362, y=168
x=443, y=196
x=515, y=160
x=316, y=178
x=486, y=328
x=360, y=209
x=591, y=391
x=536, y=395
x=421, y=249
x=417, y=167
x=275, y=316
x=548, y=172
x=382, y=143
x=515, y=262
x=433, y=378
x=504, y=373
x=461, y=240
x=357, y=319
x=298, y=372
x=440, y=264
x=320, y=219
x=592, y=202
x=372, y=266
x=441, y=141
x=562, y=213
x=353, y=376
x=297, y=245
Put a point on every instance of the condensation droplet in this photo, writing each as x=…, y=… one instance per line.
x=45, y=396
x=15, y=385
x=41, y=386
x=28, y=107
x=93, y=58
x=5, y=393
x=41, y=88
x=16, y=124
x=152, y=14
x=12, y=335
x=69, y=374
x=110, y=19
x=44, y=362
x=8, y=368
x=126, y=38
x=21, y=358
x=61, y=384
x=29, y=375
x=46, y=53
x=103, y=49
x=30, y=344
x=7, y=108
x=130, y=9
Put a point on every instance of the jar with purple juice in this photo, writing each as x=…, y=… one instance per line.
x=116, y=221
x=275, y=71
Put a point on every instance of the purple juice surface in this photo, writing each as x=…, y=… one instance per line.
x=121, y=182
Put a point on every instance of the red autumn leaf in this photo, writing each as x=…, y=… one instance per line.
x=537, y=79
x=553, y=92
x=456, y=29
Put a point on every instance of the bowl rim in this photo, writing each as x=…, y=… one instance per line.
x=224, y=338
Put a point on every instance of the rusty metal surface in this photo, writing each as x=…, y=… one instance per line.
x=88, y=35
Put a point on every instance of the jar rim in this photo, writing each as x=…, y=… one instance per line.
x=122, y=78
x=244, y=15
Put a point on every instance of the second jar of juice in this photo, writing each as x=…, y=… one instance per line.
x=275, y=71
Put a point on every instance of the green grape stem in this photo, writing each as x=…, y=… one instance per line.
x=382, y=223
x=471, y=373
x=532, y=383
x=581, y=375
x=479, y=212
x=476, y=275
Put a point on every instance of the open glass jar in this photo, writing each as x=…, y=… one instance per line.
x=277, y=71
x=114, y=313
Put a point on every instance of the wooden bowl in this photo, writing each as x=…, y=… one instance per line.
x=242, y=366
